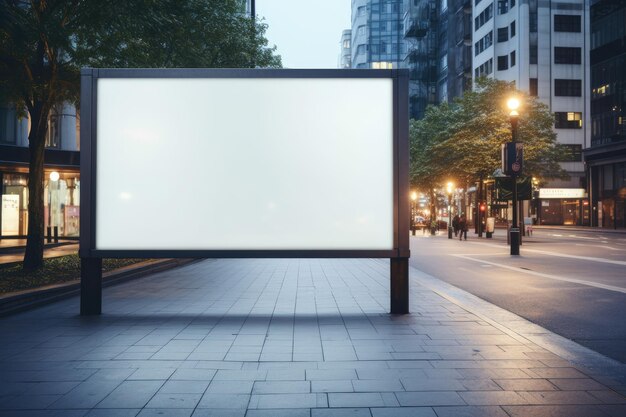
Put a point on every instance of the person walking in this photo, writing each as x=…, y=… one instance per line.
x=455, y=225
x=462, y=228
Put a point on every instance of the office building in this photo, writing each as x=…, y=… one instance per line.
x=543, y=47
x=605, y=155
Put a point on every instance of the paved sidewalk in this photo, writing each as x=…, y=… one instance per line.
x=285, y=338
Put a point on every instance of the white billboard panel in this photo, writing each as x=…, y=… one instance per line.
x=244, y=164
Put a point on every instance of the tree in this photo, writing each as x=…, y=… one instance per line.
x=462, y=140
x=44, y=43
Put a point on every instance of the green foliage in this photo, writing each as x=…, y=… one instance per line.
x=54, y=271
x=461, y=141
x=44, y=43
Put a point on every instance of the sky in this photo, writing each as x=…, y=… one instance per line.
x=306, y=32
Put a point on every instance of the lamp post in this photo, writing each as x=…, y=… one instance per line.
x=513, y=105
x=449, y=189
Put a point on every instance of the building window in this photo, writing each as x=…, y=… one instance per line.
x=8, y=125
x=533, y=87
x=513, y=28
x=503, y=63
x=512, y=4
x=568, y=120
x=566, y=23
x=53, y=136
x=483, y=17
x=571, y=153
x=503, y=6
x=503, y=34
x=532, y=54
x=485, y=68
x=566, y=55
x=513, y=59
x=484, y=43
x=567, y=88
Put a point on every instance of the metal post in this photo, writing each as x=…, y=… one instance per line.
x=449, y=216
x=90, y=286
x=515, y=233
x=399, y=285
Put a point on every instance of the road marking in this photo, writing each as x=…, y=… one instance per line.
x=554, y=277
x=599, y=246
x=586, y=258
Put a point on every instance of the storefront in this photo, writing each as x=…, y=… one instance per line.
x=563, y=206
x=61, y=203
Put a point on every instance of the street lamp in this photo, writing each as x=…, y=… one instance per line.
x=449, y=189
x=513, y=104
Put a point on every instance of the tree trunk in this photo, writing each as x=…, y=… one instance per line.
x=33, y=257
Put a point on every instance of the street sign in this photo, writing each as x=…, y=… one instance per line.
x=512, y=158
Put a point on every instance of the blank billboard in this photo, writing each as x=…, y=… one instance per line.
x=244, y=164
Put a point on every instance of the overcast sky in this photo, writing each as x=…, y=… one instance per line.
x=306, y=32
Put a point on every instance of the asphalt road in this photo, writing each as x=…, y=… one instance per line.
x=569, y=281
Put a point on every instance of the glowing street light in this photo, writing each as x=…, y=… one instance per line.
x=513, y=104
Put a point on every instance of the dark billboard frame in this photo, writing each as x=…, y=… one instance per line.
x=91, y=258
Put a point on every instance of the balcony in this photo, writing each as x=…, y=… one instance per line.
x=420, y=54
x=423, y=73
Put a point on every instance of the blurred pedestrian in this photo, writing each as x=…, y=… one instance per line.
x=455, y=225
x=463, y=228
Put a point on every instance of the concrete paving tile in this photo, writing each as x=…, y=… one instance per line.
x=613, y=410
x=293, y=412
x=240, y=375
x=117, y=412
x=493, y=398
x=87, y=395
x=553, y=411
x=355, y=400
x=29, y=402
x=131, y=394
x=526, y=384
x=224, y=401
x=429, y=399
x=341, y=412
x=575, y=384
x=169, y=412
x=558, y=397
x=151, y=374
x=384, y=385
x=281, y=387
x=184, y=387
x=423, y=384
x=193, y=375
x=218, y=412
x=471, y=411
x=332, y=386
x=553, y=373
x=167, y=401
x=285, y=375
x=330, y=374
x=403, y=412
x=609, y=397
x=230, y=387
x=288, y=401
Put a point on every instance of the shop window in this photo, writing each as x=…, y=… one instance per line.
x=14, y=205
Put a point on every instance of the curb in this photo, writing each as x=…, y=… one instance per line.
x=29, y=299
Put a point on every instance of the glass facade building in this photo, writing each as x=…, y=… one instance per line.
x=606, y=157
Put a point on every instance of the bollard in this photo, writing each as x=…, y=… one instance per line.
x=515, y=241
x=56, y=234
x=49, y=235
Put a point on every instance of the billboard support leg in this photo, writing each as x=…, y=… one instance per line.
x=399, y=285
x=90, y=286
